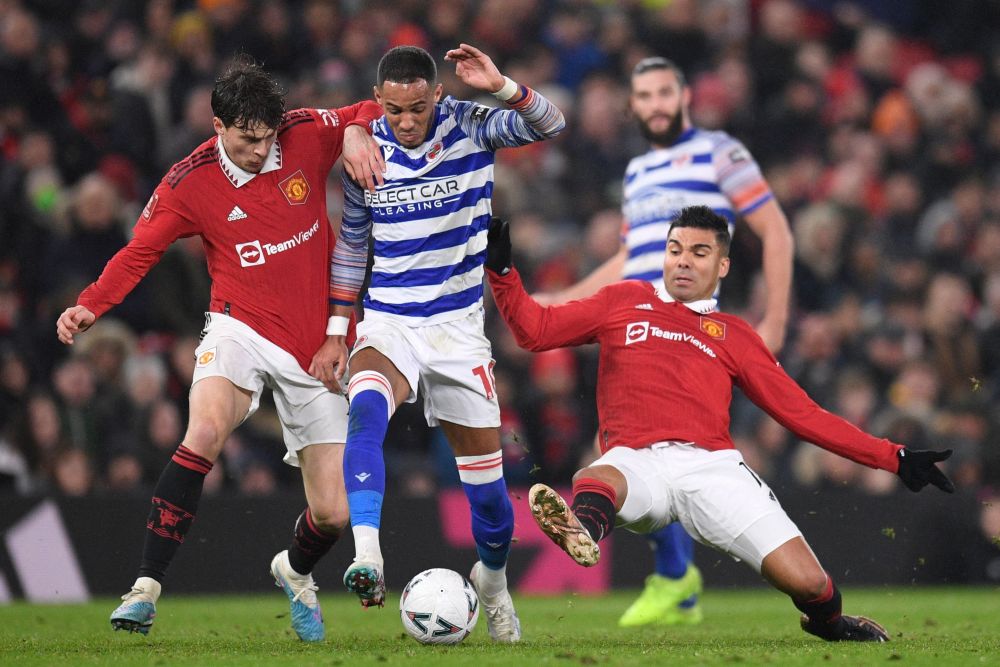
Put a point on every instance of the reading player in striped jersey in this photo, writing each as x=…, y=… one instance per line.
x=423, y=313
x=665, y=379
x=255, y=192
x=686, y=166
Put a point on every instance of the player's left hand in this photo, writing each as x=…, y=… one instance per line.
x=498, y=248
x=330, y=362
x=363, y=159
x=475, y=68
x=917, y=469
x=772, y=332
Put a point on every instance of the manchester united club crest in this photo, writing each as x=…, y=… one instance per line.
x=206, y=357
x=295, y=188
x=713, y=328
x=435, y=151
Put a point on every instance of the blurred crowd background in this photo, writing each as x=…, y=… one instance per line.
x=876, y=124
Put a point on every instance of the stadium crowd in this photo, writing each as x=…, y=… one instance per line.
x=876, y=124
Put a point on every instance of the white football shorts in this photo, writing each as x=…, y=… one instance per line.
x=449, y=364
x=718, y=499
x=309, y=413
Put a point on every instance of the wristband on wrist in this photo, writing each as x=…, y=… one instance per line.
x=337, y=325
x=508, y=90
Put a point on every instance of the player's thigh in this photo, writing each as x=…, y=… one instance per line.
x=225, y=389
x=471, y=441
x=723, y=503
x=647, y=504
x=387, y=347
x=310, y=414
x=457, y=376
x=323, y=479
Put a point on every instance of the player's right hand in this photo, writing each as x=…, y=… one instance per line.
x=917, y=469
x=74, y=320
x=330, y=362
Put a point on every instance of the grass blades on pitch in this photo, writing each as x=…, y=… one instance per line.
x=929, y=626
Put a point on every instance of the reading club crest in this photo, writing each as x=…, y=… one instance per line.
x=435, y=151
x=713, y=328
x=295, y=188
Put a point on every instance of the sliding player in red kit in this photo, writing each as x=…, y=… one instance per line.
x=256, y=194
x=667, y=371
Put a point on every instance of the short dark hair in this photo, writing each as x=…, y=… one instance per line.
x=702, y=217
x=406, y=64
x=245, y=96
x=656, y=63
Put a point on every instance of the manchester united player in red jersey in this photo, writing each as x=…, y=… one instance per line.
x=256, y=194
x=665, y=380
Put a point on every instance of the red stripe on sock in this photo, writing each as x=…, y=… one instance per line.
x=188, y=459
x=591, y=485
x=309, y=522
x=827, y=593
x=482, y=465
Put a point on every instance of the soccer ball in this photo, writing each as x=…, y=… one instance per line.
x=439, y=606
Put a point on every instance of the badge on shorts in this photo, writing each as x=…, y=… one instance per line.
x=206, y=357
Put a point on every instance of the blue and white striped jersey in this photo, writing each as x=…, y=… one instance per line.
x=702, y=168
x=429, y=220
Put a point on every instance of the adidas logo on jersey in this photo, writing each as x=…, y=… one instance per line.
x=644, y=306
x=236, y=214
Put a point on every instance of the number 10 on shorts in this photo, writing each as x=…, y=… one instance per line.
x=485, y=373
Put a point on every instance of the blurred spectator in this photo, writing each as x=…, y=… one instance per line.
x=877, y=125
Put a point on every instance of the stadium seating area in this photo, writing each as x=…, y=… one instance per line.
x=877, y=125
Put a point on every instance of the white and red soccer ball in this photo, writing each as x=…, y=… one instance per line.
x=439, y=606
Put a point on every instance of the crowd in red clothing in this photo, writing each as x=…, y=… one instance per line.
x=877, y=126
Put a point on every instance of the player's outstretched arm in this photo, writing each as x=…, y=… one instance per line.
x=74, y=320
x=917, y=469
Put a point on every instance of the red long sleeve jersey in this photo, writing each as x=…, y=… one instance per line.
x=667, y=372
x=267, y=237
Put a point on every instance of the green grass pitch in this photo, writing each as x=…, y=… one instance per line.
x=929, y=626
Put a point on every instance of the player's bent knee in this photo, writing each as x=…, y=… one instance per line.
x=330, y=518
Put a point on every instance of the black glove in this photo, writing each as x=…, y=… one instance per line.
x=498, y=246
x=917, y=469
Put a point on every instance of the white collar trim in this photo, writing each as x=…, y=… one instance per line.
x=239, y=176
x=702, y=306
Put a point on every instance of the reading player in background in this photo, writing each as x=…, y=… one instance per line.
x=256, y=194
x=423, y=322
x=686, y=166
x=667, y=455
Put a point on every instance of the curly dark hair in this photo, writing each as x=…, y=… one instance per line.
x=246, y=96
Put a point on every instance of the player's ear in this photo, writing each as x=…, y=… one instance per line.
x=723, y=267
x=220, y=127
x=686, y=97
x=377, y=92
x=438, y=89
